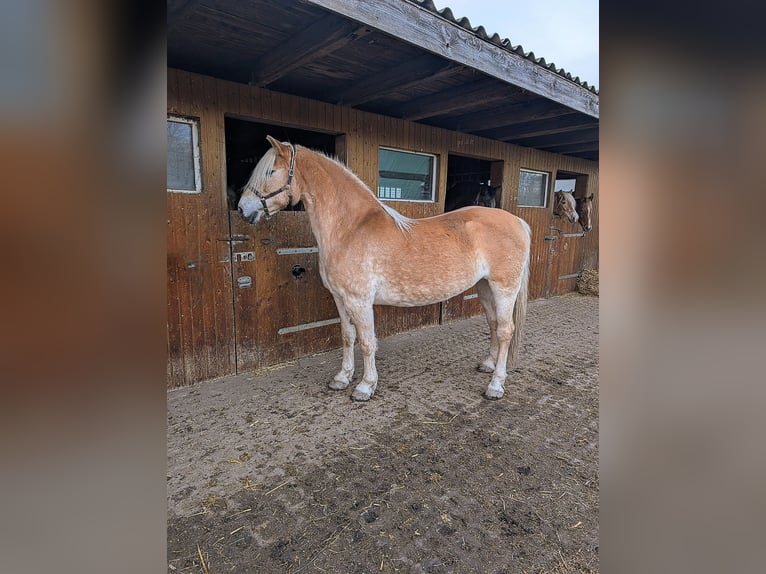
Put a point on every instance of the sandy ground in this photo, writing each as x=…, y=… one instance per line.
x=275, y=472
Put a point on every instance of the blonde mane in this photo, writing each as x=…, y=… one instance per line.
x=263, y=169
x=402, y=222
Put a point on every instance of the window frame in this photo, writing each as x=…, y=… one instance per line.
x=196, y=154
x=546, y=193
x=434, y=168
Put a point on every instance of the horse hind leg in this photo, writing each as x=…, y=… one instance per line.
x=487, y=302
x=348, y=332
x=505, y=327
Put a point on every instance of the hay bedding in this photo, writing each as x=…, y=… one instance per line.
x=587, y=284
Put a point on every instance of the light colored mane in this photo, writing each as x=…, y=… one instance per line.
x=568, y=198
x=263, y=169
x=402, y=222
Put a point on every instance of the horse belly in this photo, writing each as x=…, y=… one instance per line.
x=423, y=289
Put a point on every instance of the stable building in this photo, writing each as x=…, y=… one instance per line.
x=429, y=112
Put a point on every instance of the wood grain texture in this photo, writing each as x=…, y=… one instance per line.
x=420, y=27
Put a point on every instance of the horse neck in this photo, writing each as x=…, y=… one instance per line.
x=334, y=198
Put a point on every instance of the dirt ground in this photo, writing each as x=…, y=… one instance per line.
x=275, y=472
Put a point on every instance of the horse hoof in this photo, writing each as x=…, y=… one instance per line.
x=338, y=384
x=486, y=367
x=494, y=394
x=360, y=396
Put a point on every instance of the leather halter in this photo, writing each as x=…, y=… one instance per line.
x=286, y=187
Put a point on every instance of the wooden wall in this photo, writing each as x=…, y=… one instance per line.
x=197, y=223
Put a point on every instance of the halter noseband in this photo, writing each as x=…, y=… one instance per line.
x=286, y=187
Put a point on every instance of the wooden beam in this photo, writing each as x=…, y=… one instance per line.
x=504, y=115
x=422, y=28
x=484, y=92
x=399, y=77
x=572, y=148
x=580, y=136
x=561, y=124
x=321, y=38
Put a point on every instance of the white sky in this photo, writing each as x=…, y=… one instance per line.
x=564, y=32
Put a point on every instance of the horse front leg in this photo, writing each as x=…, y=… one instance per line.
x=348, y=332
x=362, y=315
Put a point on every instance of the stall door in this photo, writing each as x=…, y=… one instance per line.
x=200, y=337
x=564, y=261
x=281, y=308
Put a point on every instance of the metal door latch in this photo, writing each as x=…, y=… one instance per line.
x=244, y=256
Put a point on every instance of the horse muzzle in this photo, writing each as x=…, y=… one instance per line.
x=250, y=210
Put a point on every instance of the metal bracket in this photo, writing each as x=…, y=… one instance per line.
x=244, y=256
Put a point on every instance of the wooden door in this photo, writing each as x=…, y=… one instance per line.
x=200, y=338
x=563, y=264
x=282, y=309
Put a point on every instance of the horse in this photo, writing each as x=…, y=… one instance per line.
x=369, y=254
x=466, y=193
x=565, y=205
x=584, y=209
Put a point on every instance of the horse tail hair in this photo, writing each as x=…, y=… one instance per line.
x=520, y=307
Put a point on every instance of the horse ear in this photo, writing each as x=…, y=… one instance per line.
x=278, y=146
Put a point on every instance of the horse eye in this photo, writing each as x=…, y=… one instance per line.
x=272, y=172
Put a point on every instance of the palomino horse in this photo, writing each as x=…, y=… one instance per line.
x=565, y=205
x=466, y=193
x=584, y=209
x=371, y=255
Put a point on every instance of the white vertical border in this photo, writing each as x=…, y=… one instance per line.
x=195, y=152
x=434, y=168
x=545, y=195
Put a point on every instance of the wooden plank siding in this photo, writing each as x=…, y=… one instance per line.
x=202, y=301
x=199, y=289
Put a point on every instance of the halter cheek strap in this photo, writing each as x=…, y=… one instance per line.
x=286, y=187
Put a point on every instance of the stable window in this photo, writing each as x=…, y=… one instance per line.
x=183, y=171
x=406, y=175
x=533, y=188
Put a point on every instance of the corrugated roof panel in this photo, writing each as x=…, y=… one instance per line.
x=495, y=39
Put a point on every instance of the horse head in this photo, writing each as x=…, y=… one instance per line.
x=565, y=206
x=486, y=196
x=271, y=186
x=584, y=210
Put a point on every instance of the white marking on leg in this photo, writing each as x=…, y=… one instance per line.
x=364, y=319
x=487, y=302
x=348, y=331
x=504, y=308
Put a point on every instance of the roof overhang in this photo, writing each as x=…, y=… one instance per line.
x=393, y=57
